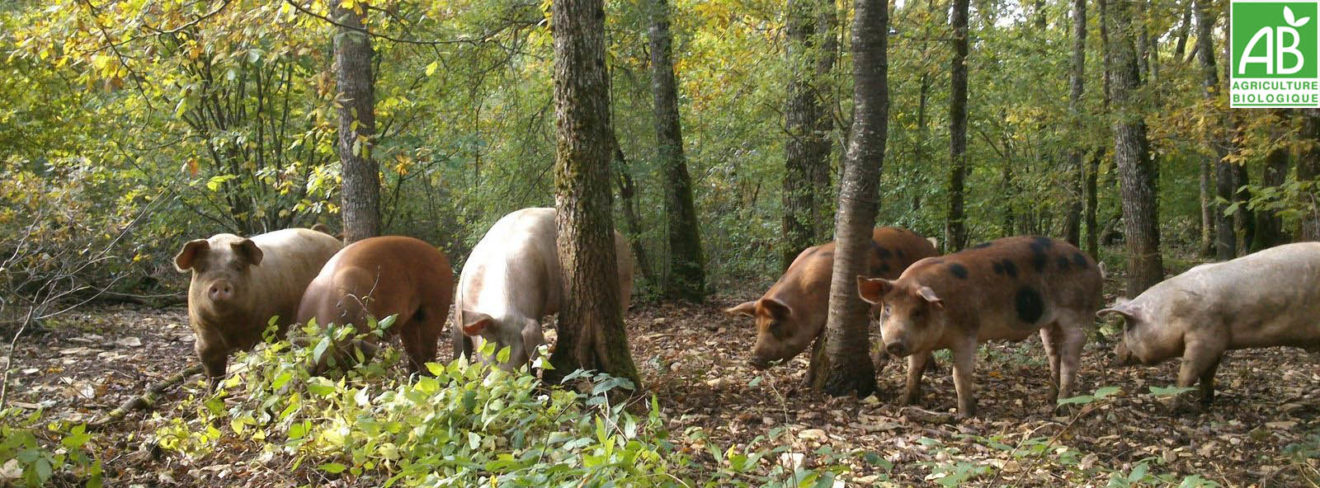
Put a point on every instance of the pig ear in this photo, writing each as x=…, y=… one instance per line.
x=744, y=308
x=184, y=260
x=475, y=322
x=248, y=250
x=929, y=295
x=873, y=289
x=776, y=308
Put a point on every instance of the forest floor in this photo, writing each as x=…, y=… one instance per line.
x=693, y=359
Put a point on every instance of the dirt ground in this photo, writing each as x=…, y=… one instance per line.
x=693, y=358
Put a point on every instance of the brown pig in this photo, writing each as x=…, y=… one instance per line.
x=1270, y=298
x=238, y=284
x=792, y=312
x=1005, y=289
x=380, y=277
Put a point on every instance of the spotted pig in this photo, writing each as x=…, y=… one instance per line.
x=1005, y=289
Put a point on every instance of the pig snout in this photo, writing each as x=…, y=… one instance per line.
x=897, y=349
x=220, y=291
x=1123, y=356
x=758, y=362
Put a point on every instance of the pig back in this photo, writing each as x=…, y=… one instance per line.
x=390, y=275
x=1018, y=282
x=1268, y=298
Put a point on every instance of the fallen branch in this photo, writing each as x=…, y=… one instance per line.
x=146, y=400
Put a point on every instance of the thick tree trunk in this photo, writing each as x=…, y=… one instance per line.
x=1308, y=169
x=631, y=215
x=810, y=53
x=849, y=368
x=360, y=195
x=1132, y=155
x=955, y=233
x=687, y=271
x=591, y=332
x=1180, y=36
x=1073, y=218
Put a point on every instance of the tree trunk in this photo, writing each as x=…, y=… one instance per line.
x=360, y=195
x=955, y=233
x=631, y=215
x=849, y=368
x=810, y=54
x=1076, y=178
x=687, y=274
x=591, y=332
x=1225, y=237
x=1207, y=209
x=1093, y=174
x=1132, y=155
x=1180, y=42
x=1269, y=227
x=1244, y=219
x=1308, y=169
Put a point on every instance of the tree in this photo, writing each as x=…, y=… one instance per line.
x=1076, y=86
x=810, y=54
x=356, y=100
x=955, y=231
x=1225, y=237
x=591, y=333
x=1137, y=175
x=847, y=367
x=687, y=271
x=1269, y=226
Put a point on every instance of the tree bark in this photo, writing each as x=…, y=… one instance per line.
x=687, y=273
x=810, y=55
x=591, y=332
x=955, y=233
x=1207, y=209
x=1132, y=155
x=360, y=195
x=1076, y=176
x=849, y=368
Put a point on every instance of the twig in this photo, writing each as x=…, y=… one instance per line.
x=146, y=400
x=9, y=359
x=421, y=42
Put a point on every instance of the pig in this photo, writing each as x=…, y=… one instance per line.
x=792, y=312
x=511, y=280
x=1270, y=298
x=383, y=276
x=239, y=284
x=1005, y=289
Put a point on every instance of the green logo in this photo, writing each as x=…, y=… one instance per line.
x=1275, y=54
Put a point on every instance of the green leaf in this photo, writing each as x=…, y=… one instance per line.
x=332, y=468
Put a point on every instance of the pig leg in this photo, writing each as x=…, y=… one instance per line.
x=1066, y=336
x=213, y=355
x=1049, y=337
x=916, y=367
x=1199, y=362
x=964, y=365
x=420, y=345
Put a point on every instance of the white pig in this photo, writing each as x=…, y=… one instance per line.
x=1270, y=298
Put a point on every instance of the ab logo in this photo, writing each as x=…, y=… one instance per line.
x=1275, y=54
